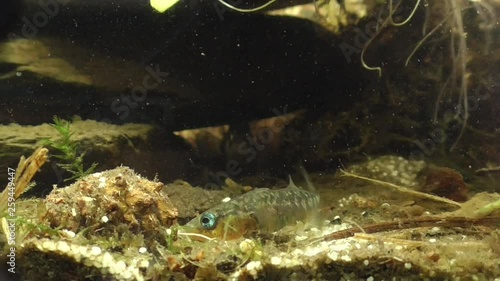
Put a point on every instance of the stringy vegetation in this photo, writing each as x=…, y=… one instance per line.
x=452, y=26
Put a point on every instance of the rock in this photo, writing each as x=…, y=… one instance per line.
x=110, y=199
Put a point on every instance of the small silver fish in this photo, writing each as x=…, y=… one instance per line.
x=261, y=210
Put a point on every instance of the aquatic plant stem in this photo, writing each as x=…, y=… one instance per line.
x=388, y=21
x=391, y=12
x=419, y=44
x=462, y=54
x=404, y=189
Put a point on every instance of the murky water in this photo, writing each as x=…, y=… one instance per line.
x=389, y=110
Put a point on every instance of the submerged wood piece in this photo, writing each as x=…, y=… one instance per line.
x=25, y=171
x=413, y=223
x=405, y=190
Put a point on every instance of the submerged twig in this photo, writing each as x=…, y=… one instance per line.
x=413, y=223
x=25, y=171
x=404, y=189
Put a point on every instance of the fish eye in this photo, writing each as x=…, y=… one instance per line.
x=208, y=220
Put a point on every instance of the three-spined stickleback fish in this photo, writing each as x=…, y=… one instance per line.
x=261, y=210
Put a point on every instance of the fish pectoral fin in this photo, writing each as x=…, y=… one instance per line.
x=268, y=219
x=239, y=225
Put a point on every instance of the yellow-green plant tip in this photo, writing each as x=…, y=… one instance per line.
x=489, y=208
x=162, y=5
